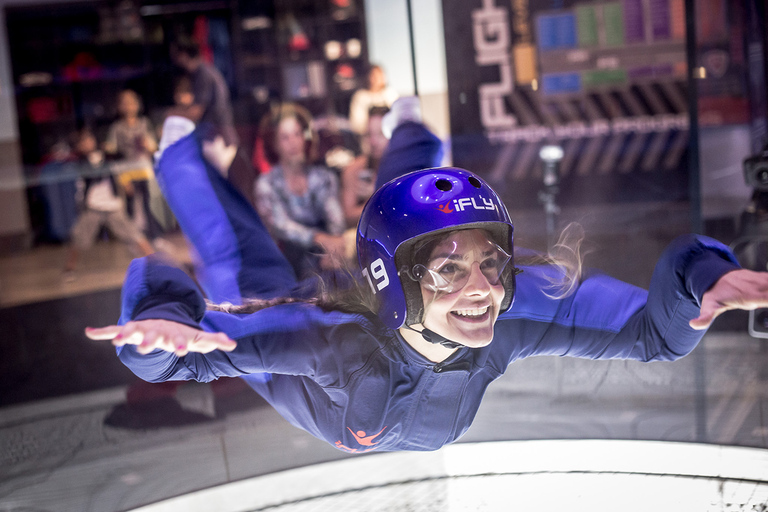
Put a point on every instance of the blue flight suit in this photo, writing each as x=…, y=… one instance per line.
x=351, y=381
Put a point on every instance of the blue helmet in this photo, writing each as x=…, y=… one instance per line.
x=415, y=205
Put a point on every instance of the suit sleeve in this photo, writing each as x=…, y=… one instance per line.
x=293, y=339
x=608, y=319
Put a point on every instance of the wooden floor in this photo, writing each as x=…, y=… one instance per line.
x=38, y=275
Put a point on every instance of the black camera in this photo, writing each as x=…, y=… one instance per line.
x=758, y=323
x=756, y=171
x=753, y=241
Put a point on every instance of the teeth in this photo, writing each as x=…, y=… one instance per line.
x=472, y=312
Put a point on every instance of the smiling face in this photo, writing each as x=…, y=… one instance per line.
x=461, y=289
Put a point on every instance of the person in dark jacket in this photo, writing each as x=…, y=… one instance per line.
x=441, y=311
x=212, y=107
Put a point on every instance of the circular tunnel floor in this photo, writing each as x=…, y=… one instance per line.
x=562, y=475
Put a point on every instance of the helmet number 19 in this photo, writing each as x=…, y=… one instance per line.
x=379, y=274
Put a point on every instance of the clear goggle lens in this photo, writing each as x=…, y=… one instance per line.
x=449, y=271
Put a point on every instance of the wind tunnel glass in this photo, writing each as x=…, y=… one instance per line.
x=449, y=268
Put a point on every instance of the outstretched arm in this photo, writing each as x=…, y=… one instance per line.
x=161, y=312
x=168, y=335
x=608, y=319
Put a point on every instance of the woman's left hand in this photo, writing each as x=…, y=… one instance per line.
x=738, y=289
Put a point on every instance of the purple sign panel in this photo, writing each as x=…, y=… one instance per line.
x=634, y=23
x=661, y=25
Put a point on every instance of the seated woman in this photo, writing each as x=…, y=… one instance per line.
x=402, y=360
x=299, y=201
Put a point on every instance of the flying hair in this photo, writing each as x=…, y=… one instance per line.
x=567, y=256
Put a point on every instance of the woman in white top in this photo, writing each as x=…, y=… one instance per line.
x=377, y=94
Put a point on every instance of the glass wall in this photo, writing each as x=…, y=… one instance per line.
x=574, y=111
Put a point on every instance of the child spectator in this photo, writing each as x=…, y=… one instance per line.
x=132, y=139
x=102, y=206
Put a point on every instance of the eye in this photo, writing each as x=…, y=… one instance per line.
x=490, y=263
x=448, y=268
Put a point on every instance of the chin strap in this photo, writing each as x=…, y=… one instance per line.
x=432, y=337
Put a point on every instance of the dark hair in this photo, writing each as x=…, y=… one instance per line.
x=271, y=121
x=186, y=46
x=183, y=84
x=348, y=294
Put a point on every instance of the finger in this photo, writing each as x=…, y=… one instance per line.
x=179, y=345
x=223, y=342
x=706, y=317
x=146, y=341
x=127, y=335
x=701, y=323
x=134, y=338
x=168, y=343
x=145, y=348
x=209, y=343
x=103, y=333
x=151, y=338
x=155, y=340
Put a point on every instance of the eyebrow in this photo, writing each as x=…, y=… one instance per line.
x=447, y=256
x=459, y=257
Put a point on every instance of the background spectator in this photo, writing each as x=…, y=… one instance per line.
x=212, y=111
x=376, y=94
x=132, y=139
x=212, y=108
x=299, y=201
x=102, y=206
x=183, y=99
x=359, y=178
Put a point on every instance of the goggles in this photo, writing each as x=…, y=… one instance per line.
x=449, y=267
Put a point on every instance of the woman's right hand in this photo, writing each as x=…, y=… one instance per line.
x=334, y=248
x=149, y=335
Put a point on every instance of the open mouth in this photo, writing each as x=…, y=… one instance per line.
x=474, y=314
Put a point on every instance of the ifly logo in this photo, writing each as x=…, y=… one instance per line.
x=459, y=205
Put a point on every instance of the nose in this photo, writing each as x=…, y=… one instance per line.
x=477, y=283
